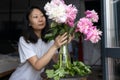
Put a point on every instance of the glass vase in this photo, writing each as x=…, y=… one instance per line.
x=64, y=56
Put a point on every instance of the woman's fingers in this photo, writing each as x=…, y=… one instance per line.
x=64, y=42
x=60, y=40
x=65, y=34
x=71, y=37
x=63, y=39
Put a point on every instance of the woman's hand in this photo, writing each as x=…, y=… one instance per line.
x=60, y=40
x=70, y=38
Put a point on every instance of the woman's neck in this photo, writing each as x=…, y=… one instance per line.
x=38, y=33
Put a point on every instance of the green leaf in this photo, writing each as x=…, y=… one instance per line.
x=53, y=24
x=56, y=66
x=54, y=32
x=71, y=30
x=62, y=31
x=48, y=35
x=56, y=78
x=50, y=73
x=60, y=72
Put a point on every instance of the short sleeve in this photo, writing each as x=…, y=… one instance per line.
x=25, y=50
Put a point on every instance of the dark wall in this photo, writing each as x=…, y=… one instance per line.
x=96, y=5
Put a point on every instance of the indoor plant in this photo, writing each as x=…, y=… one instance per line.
x=63, y=20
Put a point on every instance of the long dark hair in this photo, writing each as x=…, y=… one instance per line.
x=28, y=32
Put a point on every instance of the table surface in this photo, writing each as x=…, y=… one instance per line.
x=8, y=63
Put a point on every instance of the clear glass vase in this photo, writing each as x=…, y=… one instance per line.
x=64, y=56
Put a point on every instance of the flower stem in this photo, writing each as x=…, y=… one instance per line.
x=64, y=60
x=60, y=60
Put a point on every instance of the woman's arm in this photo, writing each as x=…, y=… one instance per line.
x=39, y=63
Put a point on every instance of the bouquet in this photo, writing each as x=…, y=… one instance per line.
x=63, y=20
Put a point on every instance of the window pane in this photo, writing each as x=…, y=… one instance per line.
x=112, y=23
x=117, y=20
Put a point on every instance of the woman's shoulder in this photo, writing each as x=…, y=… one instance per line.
x=22, y=40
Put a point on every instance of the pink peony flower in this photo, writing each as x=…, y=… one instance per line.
x=92, y=15
x=93, y=34
x=71, y=13
x=83, y=25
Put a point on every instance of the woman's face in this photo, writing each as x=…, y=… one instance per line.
x=37, y=20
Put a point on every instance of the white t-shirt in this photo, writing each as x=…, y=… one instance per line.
x=25, y=71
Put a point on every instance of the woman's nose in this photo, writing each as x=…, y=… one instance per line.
x=40, y=19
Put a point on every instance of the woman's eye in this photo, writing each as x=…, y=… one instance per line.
x=38, y=16
x=35, y=16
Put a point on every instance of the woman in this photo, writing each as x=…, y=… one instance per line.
x=35, y=53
